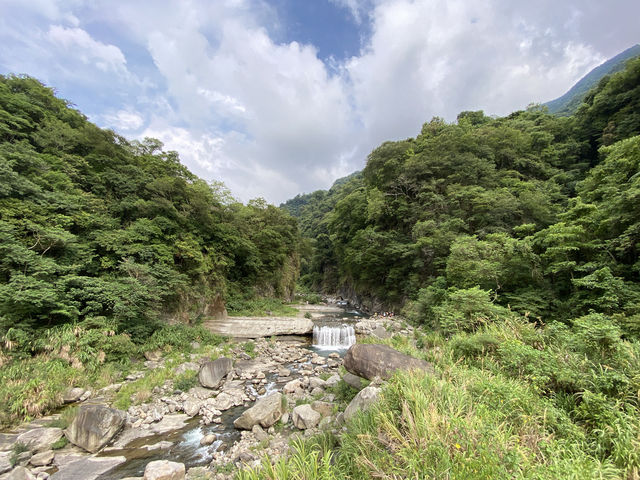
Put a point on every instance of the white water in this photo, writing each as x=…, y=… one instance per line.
x=333, y=337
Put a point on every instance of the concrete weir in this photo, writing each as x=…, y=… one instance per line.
x=256, y=327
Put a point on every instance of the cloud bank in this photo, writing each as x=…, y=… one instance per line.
x=271, y=118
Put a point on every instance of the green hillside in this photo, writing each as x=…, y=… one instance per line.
x=568, y=103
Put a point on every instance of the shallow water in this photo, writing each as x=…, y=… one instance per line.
x=186, y=446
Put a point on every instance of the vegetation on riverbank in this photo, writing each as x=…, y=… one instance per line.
x=509, y=400
x=103, y=240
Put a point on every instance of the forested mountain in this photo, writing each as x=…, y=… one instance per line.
x=93, y=226
x=540, y=210
x=568, y=103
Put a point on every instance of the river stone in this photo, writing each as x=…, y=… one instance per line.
x=323, y=408
x=94, y=426
x=362, y=401
x=332, y=381
x=223, y=401
x=40, y=439
x=164, y=470
x=87, y=468
x=208, y=439
x=370, y=361
x=315, y=382
x=20, y=473
x=305, y=417
x=191, y=406
x=259, y=433
x=5, y=464
x=71, y=395
x=211, y=373
x=353, y=381
x=185, y=367
x=381, y=333
x=41, y=459
x=265, y=412
x=23, y=458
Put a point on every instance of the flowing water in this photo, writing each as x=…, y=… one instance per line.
x=333, y=337
x=333, y=332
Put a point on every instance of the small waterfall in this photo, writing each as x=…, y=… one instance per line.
x=333, y=337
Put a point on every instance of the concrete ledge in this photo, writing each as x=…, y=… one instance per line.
x=255, y=327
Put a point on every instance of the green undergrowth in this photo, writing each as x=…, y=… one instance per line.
x=89, y=355
x=241, y=306
x=509, y=399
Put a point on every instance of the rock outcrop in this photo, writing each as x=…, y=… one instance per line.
x=265, y=413
x=94, y=426
x=212, y=373
x=370, y=361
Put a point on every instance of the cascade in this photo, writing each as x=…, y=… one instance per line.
x=333, y=336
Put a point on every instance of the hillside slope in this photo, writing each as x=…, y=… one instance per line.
x=568, y=103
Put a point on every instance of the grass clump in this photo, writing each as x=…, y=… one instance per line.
x=250, y=349
x=186, y=381
x=17, y=449
x=60, y=443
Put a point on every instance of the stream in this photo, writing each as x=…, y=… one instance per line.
x=333, y=332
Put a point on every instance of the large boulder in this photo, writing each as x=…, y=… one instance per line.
x=164, y=470
x=40, y=439
x=211, y=373
x=362, y=401
x=94, y=426
x=305, y=417
x=265, y=412
x=370, y=361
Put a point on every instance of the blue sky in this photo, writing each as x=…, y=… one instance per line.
x=279, y=97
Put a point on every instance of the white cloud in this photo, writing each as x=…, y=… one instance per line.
x=124, y=120
x=357, y=8
x=270, y=118
x=105, y=57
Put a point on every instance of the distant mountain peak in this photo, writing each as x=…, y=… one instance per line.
x=570, y=101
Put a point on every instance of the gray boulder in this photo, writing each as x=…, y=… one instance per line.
x=164, y=470
x=265, y=412
x=5, y=464
x=353, y=381
x=42, y=459
x=94, y=426
x=20, y=473
x=305, y=417
x=211, y=373
x=71, y=395
x=362, y=401
x=192, y=406
x=370, y=361
x=40, y=439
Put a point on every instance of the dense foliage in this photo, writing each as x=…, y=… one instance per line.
x=93, y=226
x=539, y=209
x=513, y=244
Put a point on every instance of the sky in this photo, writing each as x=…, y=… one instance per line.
x=280, y=97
